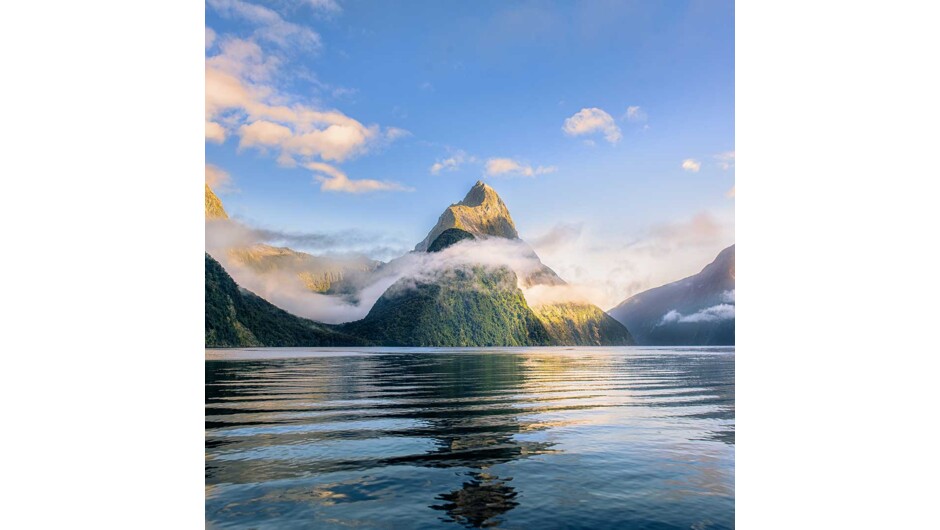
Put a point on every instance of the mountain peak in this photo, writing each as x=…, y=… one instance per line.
x=479, y=194
x=214, y=209
x=481, y=213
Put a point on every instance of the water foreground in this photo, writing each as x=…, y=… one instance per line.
x=637, y=438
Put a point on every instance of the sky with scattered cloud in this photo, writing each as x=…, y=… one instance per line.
x=613, y=117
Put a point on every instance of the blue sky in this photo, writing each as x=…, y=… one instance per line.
x=480, y=87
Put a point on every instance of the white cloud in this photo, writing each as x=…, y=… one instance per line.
x=325, y=6
x=725, y=160
x=210, y=37
x=270, y=26
x=690, y=164
x=333, y=179
x=394, y=133
x=590, y=121
x=539, y=295
x=217, y=178
x=263, y=133
x=336, y=142
x=508, y=167
x=241, y=98
x=214, y=132
x=730, y=192
x=452, y=163
x=709, y=314
x=635, y=113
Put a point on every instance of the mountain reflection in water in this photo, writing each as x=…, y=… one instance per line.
x=515, y=438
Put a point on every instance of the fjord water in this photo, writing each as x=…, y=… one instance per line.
x=639, y=438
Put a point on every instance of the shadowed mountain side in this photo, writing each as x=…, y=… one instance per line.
x=449, y=237
x=238, y=318
x=695, y=311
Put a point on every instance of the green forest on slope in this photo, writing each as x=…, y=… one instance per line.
x=582, y=325
x=471, y=306
x=238, y=318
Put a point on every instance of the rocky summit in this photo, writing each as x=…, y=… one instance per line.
x=481, y=213
x=214, y=209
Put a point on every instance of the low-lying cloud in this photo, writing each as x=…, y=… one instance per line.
x=709, y=314
x=223, y=234
x=283, y=285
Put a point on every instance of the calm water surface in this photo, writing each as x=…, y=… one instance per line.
x=633, y=438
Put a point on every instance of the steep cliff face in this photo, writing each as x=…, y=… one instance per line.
x=481, y=213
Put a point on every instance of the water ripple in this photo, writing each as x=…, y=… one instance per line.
x=391, y=438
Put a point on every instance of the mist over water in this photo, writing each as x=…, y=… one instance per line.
x=511, y=438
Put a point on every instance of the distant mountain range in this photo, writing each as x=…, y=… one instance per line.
x=695, y=311
x=456, y=304
x=317, y=273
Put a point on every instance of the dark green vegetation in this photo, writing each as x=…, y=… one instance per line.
x=695, y=311
x=238, y=318
x=449, y=237
x=477, y=306
x=462, y=307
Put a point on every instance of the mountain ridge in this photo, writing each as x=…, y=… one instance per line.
x=695, y=311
